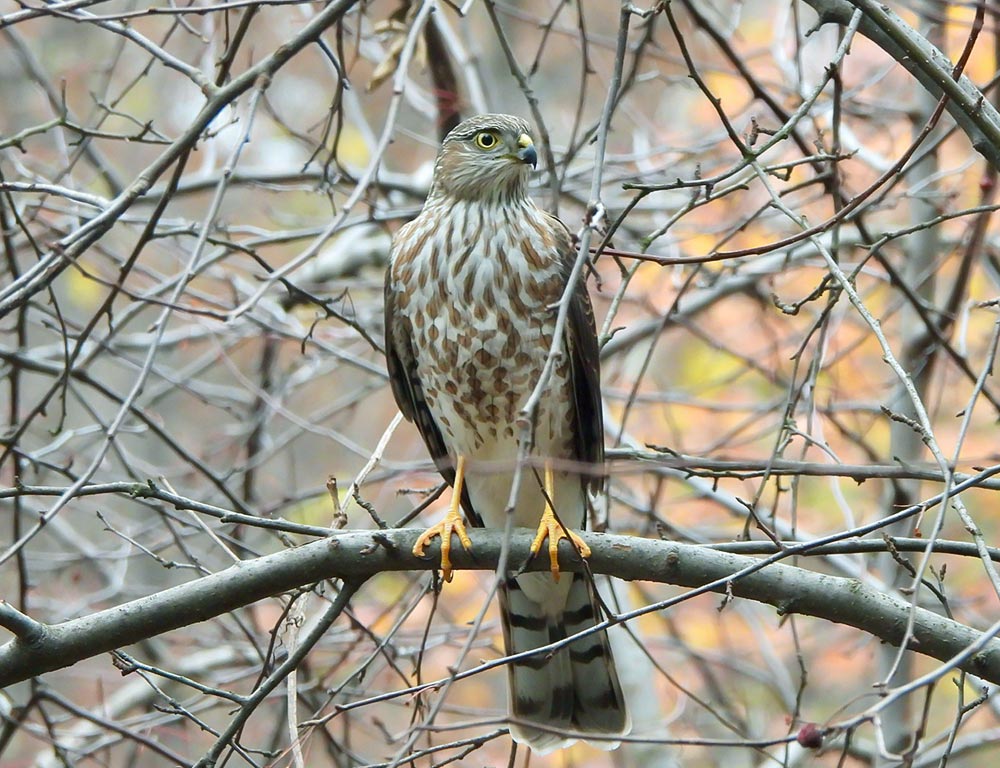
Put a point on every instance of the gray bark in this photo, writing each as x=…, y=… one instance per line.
x=357, y=555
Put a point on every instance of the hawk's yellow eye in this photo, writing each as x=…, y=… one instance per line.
x=486, y=140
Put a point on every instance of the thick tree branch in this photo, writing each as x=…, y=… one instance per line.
x=359, y=554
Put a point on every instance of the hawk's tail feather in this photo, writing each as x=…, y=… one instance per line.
x=574, y=689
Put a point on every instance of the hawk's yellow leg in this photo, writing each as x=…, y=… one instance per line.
x=452, y=523
x=550, y=528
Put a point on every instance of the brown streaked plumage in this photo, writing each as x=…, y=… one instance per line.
x=471, y=298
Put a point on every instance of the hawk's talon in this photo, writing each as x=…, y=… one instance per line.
x=550, y=528
x=452, y=523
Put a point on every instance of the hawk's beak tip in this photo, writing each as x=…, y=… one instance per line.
x=528, y=155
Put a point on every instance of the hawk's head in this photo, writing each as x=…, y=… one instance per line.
x=486, y=157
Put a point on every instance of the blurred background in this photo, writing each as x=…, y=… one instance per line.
x=197, y=202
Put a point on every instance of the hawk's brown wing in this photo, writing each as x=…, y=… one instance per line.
x=585, y=370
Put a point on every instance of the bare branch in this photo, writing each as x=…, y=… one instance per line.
x=356, y=556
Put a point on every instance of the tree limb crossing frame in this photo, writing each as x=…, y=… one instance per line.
x=357, y=555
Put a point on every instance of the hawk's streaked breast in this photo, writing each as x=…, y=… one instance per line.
x=483, y=292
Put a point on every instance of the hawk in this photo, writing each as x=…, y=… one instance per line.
x=471, y=298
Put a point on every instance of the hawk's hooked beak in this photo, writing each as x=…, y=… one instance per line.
x=526, y=154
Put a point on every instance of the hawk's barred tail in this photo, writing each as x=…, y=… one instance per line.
x=573, y=689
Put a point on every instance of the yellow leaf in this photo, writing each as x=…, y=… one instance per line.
x=84, y=291
x=352, y=149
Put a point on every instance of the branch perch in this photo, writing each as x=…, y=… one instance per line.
x=357, y=555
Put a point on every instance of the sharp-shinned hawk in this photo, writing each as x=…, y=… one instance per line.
x=471, y=300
